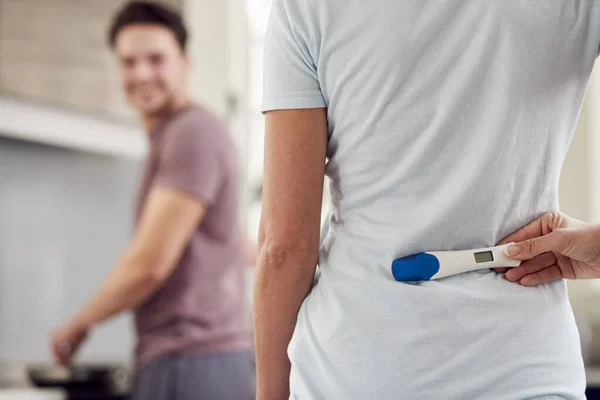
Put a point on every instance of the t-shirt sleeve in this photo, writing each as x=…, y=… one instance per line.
x=190, y=161
x=290, y=73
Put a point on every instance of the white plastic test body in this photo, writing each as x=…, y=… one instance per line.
x=440, y=264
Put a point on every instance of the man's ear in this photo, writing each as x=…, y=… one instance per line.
x=188, y=61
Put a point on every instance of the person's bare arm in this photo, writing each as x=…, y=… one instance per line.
x=167, y=223
x=295, y=150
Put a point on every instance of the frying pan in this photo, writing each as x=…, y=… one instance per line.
x=105, y=378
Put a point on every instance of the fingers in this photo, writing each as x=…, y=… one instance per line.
x=62, y=353
x=530, y=267
x=546, y=275
x=530, y=248
x=64, y=347
x=539, y=270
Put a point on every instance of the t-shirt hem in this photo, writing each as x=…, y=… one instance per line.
x=188, y=189
x=288, y=102
x=197, y=350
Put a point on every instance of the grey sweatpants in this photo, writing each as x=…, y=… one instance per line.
x=222, y=376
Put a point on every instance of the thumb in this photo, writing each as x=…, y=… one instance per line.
x=527, y=249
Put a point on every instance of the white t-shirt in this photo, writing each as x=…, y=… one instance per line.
x=448, y=124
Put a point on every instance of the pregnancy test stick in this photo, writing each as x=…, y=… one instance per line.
x=440, y=264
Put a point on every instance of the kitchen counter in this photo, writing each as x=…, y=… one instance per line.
x=32, y=394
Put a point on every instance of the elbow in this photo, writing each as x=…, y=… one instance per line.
x=283, y=265
x=152, y=277
x=274, y=256
x=277, y=255
x=151, y=274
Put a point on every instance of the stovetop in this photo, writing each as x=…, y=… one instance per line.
x=97, y=397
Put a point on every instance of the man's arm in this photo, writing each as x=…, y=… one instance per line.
x=295, y=149
x=166, y=226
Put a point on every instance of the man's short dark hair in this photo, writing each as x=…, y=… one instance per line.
x=148, y=12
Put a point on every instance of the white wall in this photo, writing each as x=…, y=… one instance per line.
x=575, y=180
x=580, y=178
x=219, y=51
x=66, y=216
x=580, y=198
x=593, y=152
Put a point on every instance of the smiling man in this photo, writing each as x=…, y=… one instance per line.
x=183, y=271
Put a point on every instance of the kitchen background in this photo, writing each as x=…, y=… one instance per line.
x=70, y=155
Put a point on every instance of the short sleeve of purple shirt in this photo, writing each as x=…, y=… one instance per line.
x=190, y=160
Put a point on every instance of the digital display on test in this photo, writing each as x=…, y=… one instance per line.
x=483, y=257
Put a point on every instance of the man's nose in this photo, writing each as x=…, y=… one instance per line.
x=142, y=72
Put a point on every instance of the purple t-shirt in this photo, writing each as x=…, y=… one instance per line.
x=203, y=306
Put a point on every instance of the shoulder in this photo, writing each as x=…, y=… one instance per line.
x=294, y=11
x=298, y=7
x=197, y=122
x=197, y=129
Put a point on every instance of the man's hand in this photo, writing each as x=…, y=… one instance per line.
x=554, y=246
x=66, y=341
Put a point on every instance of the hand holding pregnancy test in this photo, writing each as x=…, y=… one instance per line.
x=440, y=264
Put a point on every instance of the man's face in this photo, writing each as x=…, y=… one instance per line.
x=153, y=67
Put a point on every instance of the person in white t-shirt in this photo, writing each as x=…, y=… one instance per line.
x=441, y=126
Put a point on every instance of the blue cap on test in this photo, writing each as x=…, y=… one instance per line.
x=418, y=267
